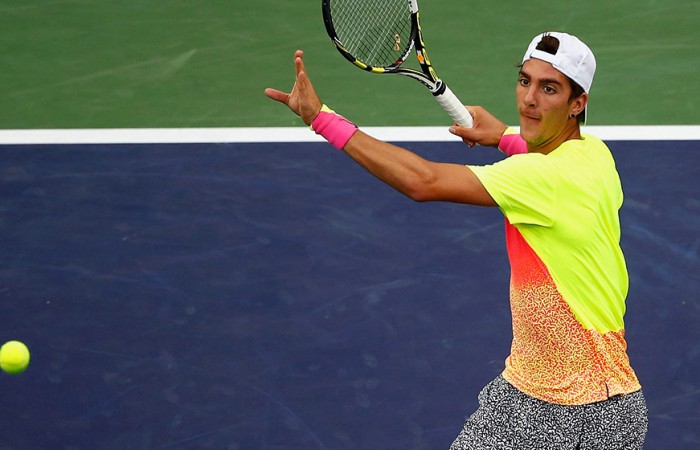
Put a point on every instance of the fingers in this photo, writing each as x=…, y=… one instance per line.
x=456, y=130
x=304, y=86
x=284, y=97
x=299, y=61
x=302, y=99
x=302, y=80
x=469, y=135
x=487, y=129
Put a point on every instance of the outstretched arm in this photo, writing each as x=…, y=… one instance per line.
x=410, y=174
x=416, y=177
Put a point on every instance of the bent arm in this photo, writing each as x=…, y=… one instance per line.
x=416, y=177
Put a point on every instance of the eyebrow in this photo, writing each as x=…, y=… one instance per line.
x=541, y=80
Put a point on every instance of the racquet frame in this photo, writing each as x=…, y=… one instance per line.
x=426, y=76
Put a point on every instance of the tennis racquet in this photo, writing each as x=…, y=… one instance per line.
x=378, y=36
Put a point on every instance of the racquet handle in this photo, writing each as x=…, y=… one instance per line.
x=455, y=108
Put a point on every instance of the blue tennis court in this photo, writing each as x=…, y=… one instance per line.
x=179, y=293
x=275, y=296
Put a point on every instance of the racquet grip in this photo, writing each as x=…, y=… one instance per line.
x=455, y=108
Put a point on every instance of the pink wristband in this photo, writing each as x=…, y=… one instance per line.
x=512, y=144
x=335, y=128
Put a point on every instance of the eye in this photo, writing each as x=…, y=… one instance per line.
x=523, y=82
x=549, y=90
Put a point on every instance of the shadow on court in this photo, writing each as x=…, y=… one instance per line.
x=276, y=296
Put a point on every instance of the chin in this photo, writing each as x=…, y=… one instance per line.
x=528, y=134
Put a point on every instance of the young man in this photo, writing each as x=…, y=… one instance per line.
x=567, y=383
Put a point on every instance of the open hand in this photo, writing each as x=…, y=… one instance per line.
x=302, y=100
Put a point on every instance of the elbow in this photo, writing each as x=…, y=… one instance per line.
x=419, y=196
x=420, y=188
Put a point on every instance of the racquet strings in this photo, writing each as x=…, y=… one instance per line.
x=375, y=32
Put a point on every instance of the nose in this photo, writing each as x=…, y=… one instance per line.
x=529, y=97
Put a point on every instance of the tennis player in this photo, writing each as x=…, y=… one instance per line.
x=567, y=383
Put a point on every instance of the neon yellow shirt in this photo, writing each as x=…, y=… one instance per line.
x=568, y=275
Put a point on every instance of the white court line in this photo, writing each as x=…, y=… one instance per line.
x=303, y=134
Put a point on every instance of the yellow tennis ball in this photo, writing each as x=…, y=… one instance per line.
x=14, y=357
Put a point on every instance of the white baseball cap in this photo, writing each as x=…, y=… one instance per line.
x=573, y=58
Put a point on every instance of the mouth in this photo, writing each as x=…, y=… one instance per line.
x=529, y=118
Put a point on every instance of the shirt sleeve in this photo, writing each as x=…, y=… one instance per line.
x=523, y=186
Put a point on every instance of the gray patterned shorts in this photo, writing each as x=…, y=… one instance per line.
x=508, y=419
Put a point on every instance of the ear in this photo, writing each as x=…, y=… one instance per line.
x=578, y=104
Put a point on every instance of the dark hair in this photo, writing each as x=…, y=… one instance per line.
x=550, y=44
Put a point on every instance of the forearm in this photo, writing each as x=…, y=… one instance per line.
x=395, y=166
x=413, y=176
x=403, y=170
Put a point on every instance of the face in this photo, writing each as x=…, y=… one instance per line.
x=543, y=104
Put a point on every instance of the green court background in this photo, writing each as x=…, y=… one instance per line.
x=177, y=63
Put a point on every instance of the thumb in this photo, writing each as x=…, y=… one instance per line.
x=276, y=95
x=465, y=133
x=470, y=136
